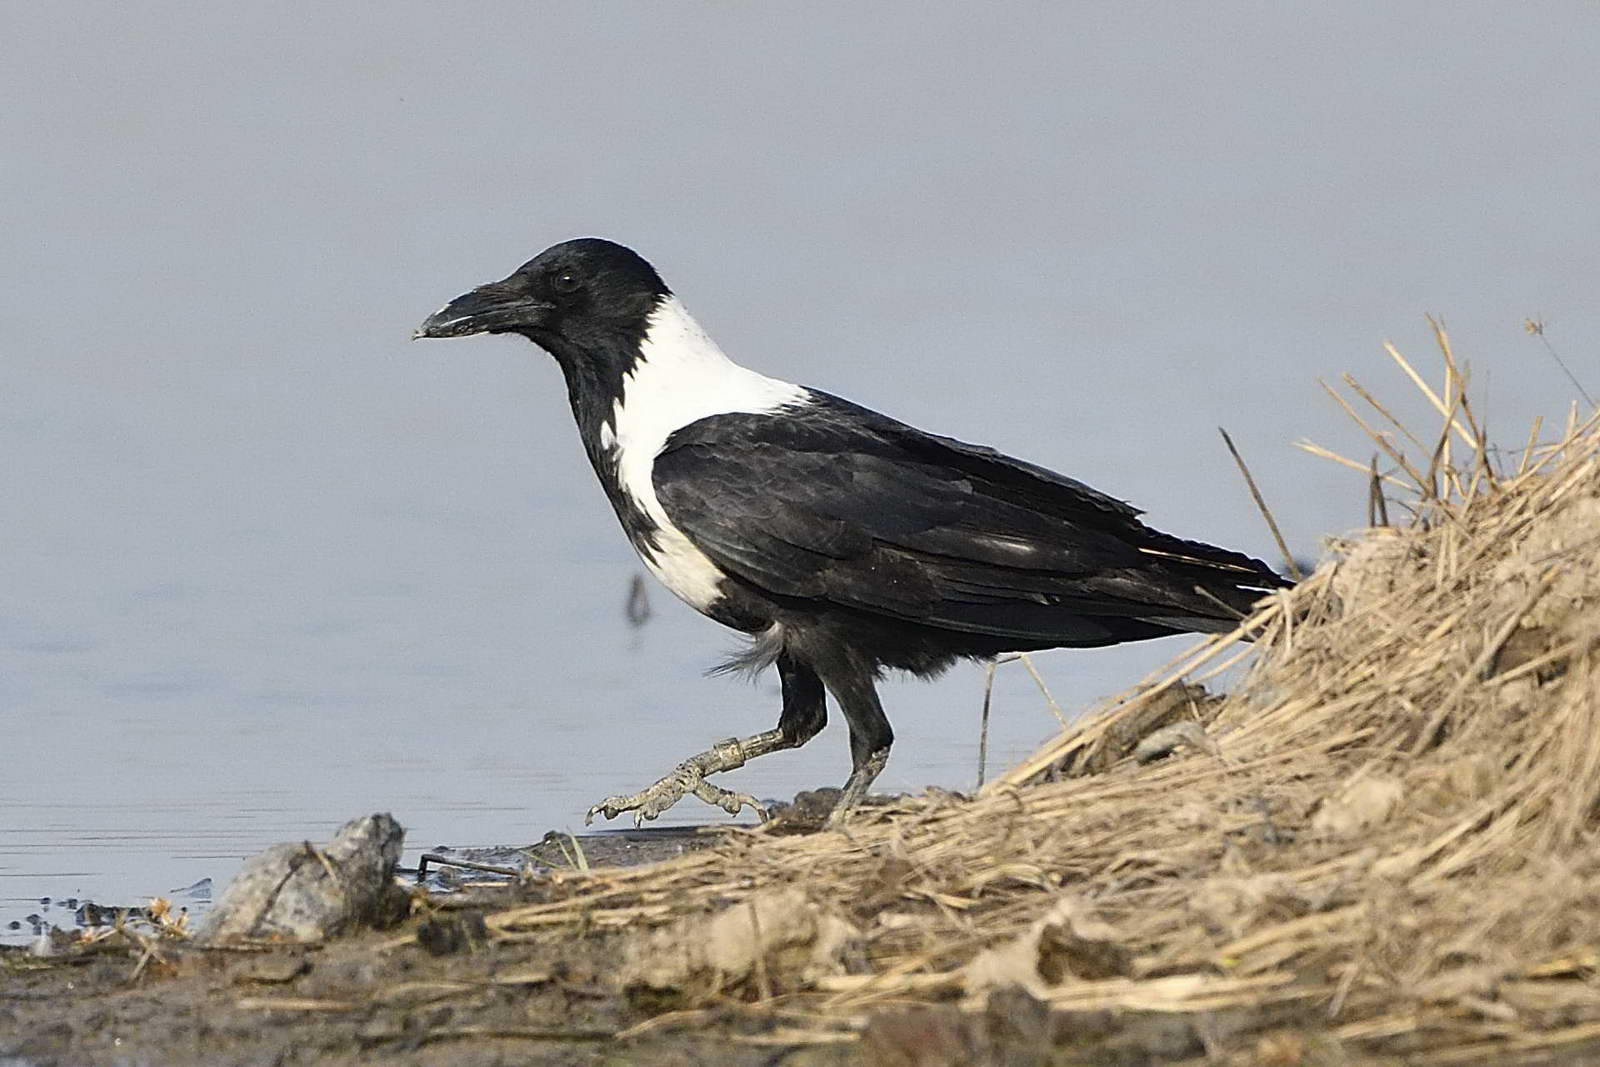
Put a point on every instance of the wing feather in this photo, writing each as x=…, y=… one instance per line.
x=845, y=507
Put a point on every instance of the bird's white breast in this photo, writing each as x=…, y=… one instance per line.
x=680, y=377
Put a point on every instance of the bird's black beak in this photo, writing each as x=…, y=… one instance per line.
x=493, y=308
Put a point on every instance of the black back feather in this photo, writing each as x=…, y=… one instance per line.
x=832, y=503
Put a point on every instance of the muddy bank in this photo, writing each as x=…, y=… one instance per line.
x=428, y=989
x=441, y=988
x=126, y=986
x=361, y=999
x=452, y=983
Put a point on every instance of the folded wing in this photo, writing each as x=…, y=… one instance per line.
x=842, y=506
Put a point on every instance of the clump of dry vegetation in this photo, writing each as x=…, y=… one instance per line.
x=1380, y=843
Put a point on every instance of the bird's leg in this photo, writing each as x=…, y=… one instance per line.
x=870, y=736
x=862, y=775
x=804, y=713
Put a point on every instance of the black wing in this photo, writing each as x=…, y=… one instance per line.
x=834, y=503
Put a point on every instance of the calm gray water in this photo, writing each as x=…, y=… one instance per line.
x=266, y=565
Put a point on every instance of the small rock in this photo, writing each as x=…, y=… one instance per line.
x=304, y=892
x=1359, y=806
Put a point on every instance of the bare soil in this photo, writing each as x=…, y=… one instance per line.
x=439, y=988
x=434, y=990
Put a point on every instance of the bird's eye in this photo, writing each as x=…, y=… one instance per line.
x=565, y=282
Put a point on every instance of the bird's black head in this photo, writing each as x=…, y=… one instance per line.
x=570, y=296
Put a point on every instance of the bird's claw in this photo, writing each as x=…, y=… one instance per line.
x=687, y=777
x=729, y=801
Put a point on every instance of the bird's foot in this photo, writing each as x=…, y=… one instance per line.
x=855, y=788
x=729, y=801
x=687, y=777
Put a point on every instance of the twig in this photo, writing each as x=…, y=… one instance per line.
x=294, y=1004
x=1433, y=397
x=1359, y=390
x=1326, y=453
x=1378, y=438
x=1027, y=661
x=471, y=865
x=983, y=721
x=323, y=858
x=664, y=1021
x=1261, y=505
x=576, y=858
x=1527, y=452
x=1536, y=328
x=1377, y=505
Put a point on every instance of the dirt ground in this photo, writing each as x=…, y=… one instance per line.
x=367, y=1000
x=355, y=1001
x=430, y=991
x=436, y=990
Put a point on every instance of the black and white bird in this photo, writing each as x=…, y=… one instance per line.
x=844, y=542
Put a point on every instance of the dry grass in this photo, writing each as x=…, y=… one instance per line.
x=1381, y=843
